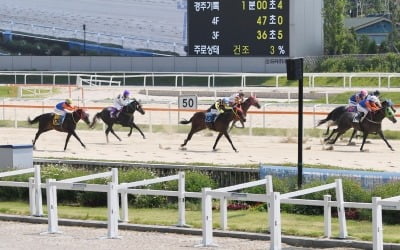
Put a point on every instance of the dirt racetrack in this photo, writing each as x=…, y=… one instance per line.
x=159, y=147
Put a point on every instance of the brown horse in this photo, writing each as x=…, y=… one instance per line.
x=68, y=126
x=251, y=101
x=221, y=125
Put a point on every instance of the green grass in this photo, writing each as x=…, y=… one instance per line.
x=240, y=220
x=8, y=91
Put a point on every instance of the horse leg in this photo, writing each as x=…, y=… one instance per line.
x=110, y=129
x=329, y=137
x=351, y=137
x=380, y=133
x=327, y=131
x=365, y=135
x=230, y=141
x=337, y=137
x=133, y=125
x=67, y=140
x=77, y=137
x=192, y=131
x=36, y=137
x=216, y=141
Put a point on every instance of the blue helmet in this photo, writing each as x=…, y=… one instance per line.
x=126, y=93
x=225, y=100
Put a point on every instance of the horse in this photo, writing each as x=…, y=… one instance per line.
x=221, y=125
x=250, y=101
x=332, y=117
x=125, y=118
x=371, y=124
x=68, y=126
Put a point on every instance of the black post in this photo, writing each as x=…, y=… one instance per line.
x=300, y=137
x=294, y=68
x=84, y=39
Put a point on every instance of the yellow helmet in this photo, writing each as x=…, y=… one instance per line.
x=68, y=101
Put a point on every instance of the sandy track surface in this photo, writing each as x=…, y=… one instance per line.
x=166, y=148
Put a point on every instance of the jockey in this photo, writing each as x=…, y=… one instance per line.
x=220, y=106
x=371, y=103
x=357, y=98
x=62, y=108
x=236, y=99
x=119, y=102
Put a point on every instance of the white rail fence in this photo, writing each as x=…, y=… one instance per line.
x=273, y=200
x=149, y=79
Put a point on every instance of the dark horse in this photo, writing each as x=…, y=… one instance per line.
x=371, y=124
x=125, y=118
x=221, y=125
x=251, y=101
x=68, y=126
x=332, y=117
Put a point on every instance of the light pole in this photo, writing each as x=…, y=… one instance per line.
x=84, y=39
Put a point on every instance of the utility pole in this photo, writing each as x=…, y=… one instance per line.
x=84, y=39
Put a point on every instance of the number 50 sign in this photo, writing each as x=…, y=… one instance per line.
x=187, y=101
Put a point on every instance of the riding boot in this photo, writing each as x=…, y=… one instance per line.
x=358, y=117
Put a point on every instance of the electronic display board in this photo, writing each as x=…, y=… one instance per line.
x=238, y=28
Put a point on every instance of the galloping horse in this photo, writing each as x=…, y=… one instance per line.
x=332, y=117
x=250, y=101
x=221, y=125
x=68, y=126
x=371, y=124
x=125, y=118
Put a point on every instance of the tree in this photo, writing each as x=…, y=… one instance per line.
x=334, y=31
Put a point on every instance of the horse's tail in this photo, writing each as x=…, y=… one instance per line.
x=186, y=121
x=36, y=120
x=96, y=116
x=329, y=117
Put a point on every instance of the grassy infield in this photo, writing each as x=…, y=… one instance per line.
x=249, y=220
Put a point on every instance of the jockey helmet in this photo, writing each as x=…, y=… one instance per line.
x=376, y=93
x=363, y=92
x=126, y=93
x=225, y=100
x=374, y=99
x=68, y=101
x=240, y=94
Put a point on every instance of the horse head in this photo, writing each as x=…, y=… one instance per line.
x=133, y=106
x=254, y=101
x=387, y=106
x=138, y=106
x=81, y=114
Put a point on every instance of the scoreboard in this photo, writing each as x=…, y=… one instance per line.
x=238, y=28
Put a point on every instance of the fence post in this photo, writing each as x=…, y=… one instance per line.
x=274, y=211
x=340, y=208
x=38, y=192
x=327, y=216
x=223, y=210
x=32, y=196
x=52, y=213
x=112, y=205
x=124, y=205
x=377, y=229
x=206, y=208
x=181, y=200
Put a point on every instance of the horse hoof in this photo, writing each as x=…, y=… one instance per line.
x=183, y=149
x=392, y=149
x=351, y=144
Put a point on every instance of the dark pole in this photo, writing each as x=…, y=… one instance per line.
x=300, y=137
x=294, y=68
x=84, y=39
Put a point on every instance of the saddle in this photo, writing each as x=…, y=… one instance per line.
x=57, y=120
